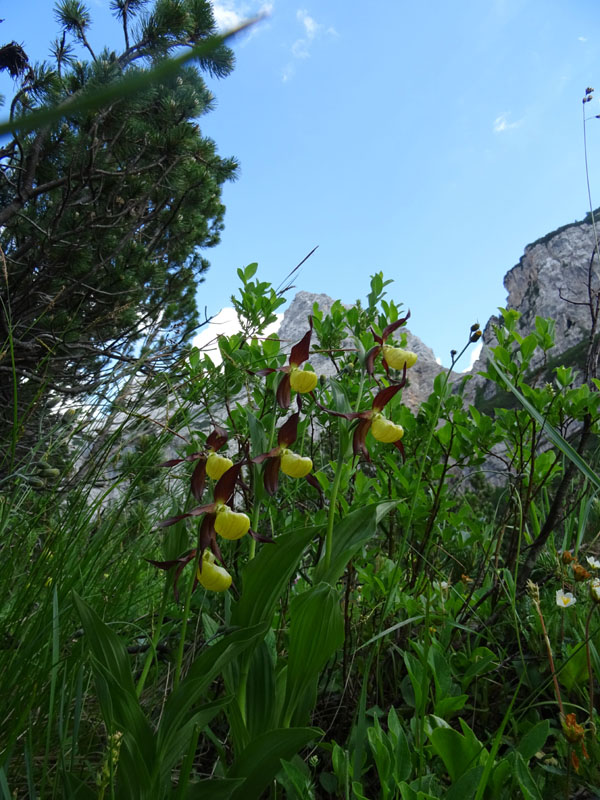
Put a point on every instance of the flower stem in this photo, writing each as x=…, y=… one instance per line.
x=155, y=639
x=186, y=613
x=333, y=498
x=589, y=666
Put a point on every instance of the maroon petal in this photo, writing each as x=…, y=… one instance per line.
x=271, y=476
x=300, y=351
x=284, y=394
x=195, y=512
x=313, y=482
x=181, y=562
x=226, y=483
x=343, y=414
x=263, y=456
x=173, y=461
x=400, y=446
x=384, y=396
x=260, y=538
x=288, y=431
x=358, y=440
x=216, y=439
x=198, y=479
x=370, y=359
x=265, y=371
x=393, y=326
x=207, y=535
x=377, y=338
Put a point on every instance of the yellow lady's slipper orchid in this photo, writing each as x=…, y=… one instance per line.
x=396, y=357
x=294, y=465
x=302, y=380
x=384, y=430
x=231, y=524
x=217, y=465
x=213, y=577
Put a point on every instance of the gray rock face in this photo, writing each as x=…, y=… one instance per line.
x=552, y=279
x=295, y=324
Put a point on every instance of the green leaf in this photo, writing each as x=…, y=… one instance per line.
x=316, y=632
x=179, y=708
x=459, y=753
x=383, y=756
x=402, y=756
x=213, y=788
x=466, y=786
x=261, y=759
x=528, y=346
x=534, y=740
x=174, y=746
x=525, y=778
x=447, y=706
x=348, y=537
x=266, y=576
x=553, y=435
x=260, y=692
x=116, y=690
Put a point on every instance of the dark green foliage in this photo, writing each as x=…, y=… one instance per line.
x=105, y=214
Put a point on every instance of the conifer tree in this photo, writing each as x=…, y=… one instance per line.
x=105, y=214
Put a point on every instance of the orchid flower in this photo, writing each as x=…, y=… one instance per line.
x=382, y=429
x=394, y=357
x=209, y=463
x=299, y=380
x=218, y=517
x=284, y=459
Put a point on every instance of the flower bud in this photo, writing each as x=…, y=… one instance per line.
x=580, y=573
x=384, y=430
x=294, y=465
x=396, y=357
x=302, y=380
x=231, y=524
x=217, y=466
x=213, y=577
x=595, y=590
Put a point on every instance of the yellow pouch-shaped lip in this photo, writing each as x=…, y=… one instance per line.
x=396, y=357
x=231, y=524
x=384, y=430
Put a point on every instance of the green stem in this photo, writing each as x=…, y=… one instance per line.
x=186, y=767
x=155, y=639
x=255, y=515
x=333, y=500
x=186, y=613
x=589, y=666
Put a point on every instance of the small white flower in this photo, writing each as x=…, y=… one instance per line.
x=565, y=599
x=593, y=562
x=595, y=590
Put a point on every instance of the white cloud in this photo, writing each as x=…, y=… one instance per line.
x=582, y=39
x=501, y=123
x=229, y=13
x=225, y=323
x=301, y=48
x=226, y=17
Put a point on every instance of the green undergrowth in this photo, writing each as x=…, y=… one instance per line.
x=411, y=616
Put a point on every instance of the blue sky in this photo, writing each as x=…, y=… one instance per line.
x=430, y=141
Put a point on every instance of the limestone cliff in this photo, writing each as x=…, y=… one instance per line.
x=554, y=278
